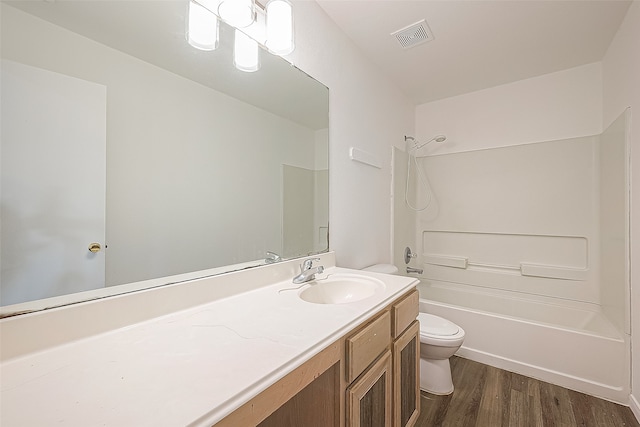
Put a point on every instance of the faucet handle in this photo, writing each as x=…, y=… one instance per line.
x=308, y=263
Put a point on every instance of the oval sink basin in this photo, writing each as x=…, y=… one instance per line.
x=340, y=289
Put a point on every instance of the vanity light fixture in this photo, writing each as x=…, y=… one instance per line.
x=279, y=27
x=270, y=26
x=238, y=13
x=245, y=52
x=202, y=29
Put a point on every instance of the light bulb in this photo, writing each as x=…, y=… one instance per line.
x=238, y=13
x=202, y=32
x=279, y=27
x=245, y=53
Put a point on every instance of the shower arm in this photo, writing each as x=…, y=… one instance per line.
x=416, y=145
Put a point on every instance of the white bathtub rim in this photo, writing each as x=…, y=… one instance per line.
x=619, y=338
x=604, y=391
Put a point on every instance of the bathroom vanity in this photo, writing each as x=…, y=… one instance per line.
x=368, y=377
x=241, y=349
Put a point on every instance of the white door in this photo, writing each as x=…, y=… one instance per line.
x=53, y=175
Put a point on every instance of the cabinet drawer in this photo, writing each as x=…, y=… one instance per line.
x=405, y=312
x=365, y=346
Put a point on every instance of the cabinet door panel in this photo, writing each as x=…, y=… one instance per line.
x=406, y=374
x=316, y=405
x=369, y=398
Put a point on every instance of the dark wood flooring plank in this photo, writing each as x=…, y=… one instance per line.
x=535, y=407
x=518, y=408
x=556, y=408
x=608, y=414
x=496, y=398
x=505, y=386
x=433, y=409
x=463, y=407
x=519, y=382
x=581, y=405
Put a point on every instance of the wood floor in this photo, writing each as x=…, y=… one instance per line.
x=485, y=396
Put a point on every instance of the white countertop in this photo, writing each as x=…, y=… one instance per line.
x=191, y=367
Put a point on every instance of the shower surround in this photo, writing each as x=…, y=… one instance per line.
x=525, y=248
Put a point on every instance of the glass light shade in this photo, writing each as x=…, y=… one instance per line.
x=202, y=31
x=238, y=13
x=279, y=27
x=245, y=53
x=258, y=28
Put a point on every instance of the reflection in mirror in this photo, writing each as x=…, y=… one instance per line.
x=165, y=161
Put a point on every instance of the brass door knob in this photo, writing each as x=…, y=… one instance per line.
x=94, y=247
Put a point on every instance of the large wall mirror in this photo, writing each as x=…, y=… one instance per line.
x=166, y=161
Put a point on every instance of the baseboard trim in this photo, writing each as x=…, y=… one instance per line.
x=635, y=406
x=604, y=391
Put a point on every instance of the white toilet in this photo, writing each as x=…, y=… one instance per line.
x=439, y=340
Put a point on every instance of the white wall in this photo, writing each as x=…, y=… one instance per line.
x=621, y=76
x=365, y=111
x=565, y=104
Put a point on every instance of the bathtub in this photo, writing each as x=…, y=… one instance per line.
x=567, y=343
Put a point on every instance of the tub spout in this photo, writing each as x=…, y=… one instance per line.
x=411, y=270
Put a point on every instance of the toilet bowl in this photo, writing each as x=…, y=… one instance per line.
x=439, y=340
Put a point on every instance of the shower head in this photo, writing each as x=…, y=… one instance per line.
x=413, y=144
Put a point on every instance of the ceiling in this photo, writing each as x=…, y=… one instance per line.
x=477, y=44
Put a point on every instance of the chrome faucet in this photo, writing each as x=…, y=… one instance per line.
x=272, y=257
x=308, y=271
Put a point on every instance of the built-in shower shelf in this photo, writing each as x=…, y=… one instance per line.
x=446, y=261
x=524, y=268
x=553, y=272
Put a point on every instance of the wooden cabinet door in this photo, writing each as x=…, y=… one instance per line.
x=406, y=377
x=369, y=398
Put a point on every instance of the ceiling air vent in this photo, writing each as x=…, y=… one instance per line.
x=413, y=34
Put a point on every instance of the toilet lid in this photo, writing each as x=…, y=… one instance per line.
x=434, y=325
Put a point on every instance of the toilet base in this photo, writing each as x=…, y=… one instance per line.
x=435, y=376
